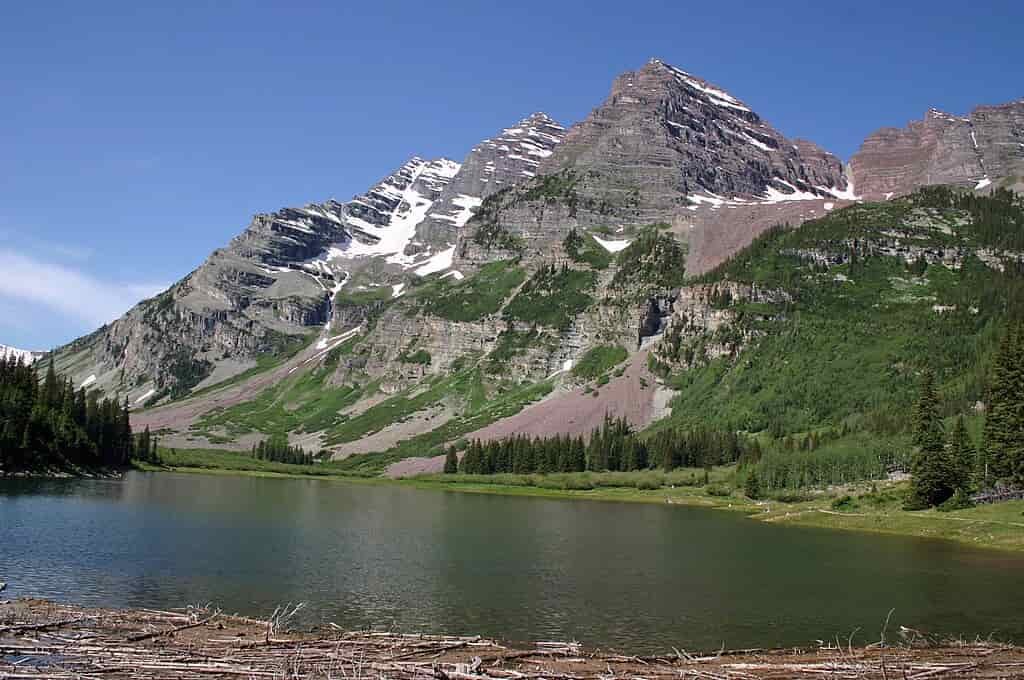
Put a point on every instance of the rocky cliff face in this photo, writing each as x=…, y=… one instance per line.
x=501, y=162
x=669, y=134
x=975, y=151
x=665, y=146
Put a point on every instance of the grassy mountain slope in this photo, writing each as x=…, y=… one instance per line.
x=859, y=302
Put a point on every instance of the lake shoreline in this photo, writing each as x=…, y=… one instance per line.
x=998, y=526
x=40, y=638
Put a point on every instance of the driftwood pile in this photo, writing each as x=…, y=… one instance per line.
x=41, y=640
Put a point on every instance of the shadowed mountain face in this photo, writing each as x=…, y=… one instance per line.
x=975, y=151
x=450, y=295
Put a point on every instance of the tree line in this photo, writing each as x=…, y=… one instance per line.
x=51, y=425
x=614, y=446
x=278, y=450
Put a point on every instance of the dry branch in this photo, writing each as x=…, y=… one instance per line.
x=119, y=645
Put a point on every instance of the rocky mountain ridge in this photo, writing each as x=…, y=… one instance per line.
x=973, y=151
x=276, y=283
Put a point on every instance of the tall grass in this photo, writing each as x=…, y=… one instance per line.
x=585, y=481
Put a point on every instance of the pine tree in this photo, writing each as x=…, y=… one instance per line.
x=49, y=396
x=752, y=485
x=932, y=476
x=961, y=456
x=451, y=462
x=48, y=425
x=1003, y=437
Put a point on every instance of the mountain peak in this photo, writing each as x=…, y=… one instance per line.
x=539, y=117
x=664, y=134
x=696, y=86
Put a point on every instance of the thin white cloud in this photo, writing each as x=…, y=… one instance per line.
x=68, y=291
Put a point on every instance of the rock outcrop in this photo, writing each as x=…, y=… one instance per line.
x=275, y=284
x=975, y=151
x=513, y=156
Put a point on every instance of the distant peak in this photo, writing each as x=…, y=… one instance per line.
x=539, y=118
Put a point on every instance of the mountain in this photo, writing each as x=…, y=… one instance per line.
x=27, y=356
x=665, y=146
x=985, y=147
x=551, y=278
x=274, y=285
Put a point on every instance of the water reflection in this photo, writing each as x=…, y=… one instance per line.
x=615, y=575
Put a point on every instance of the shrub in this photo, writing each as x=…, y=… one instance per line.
x=420, y=356
x=585, y=250
x=598, y=360
x=553, y=297
x=476, y=297
x=792, y=496
x=844, y=503
x=717, y=490
x=960, y=500
x=752, y=485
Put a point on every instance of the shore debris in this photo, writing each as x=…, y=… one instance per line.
x=41, y=640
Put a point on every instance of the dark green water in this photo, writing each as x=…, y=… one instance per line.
x=627, y=576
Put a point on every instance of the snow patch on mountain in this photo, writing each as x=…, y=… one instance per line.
x=145, y=396
x=466, y=205
x=774, y=195
x=712, y=94
x=23, y=355
x=391, y=238
x=438, y=263
x=611, y=246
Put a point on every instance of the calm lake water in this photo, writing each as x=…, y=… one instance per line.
x=616, y=575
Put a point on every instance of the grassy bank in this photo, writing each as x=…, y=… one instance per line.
x=217, y=461
x=861, y=507
x=870, y=508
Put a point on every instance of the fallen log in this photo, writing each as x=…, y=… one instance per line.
x=138, y=637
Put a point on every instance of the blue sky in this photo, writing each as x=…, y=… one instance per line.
x=134, y=139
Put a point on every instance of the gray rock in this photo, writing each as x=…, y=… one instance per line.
x=508, y=159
